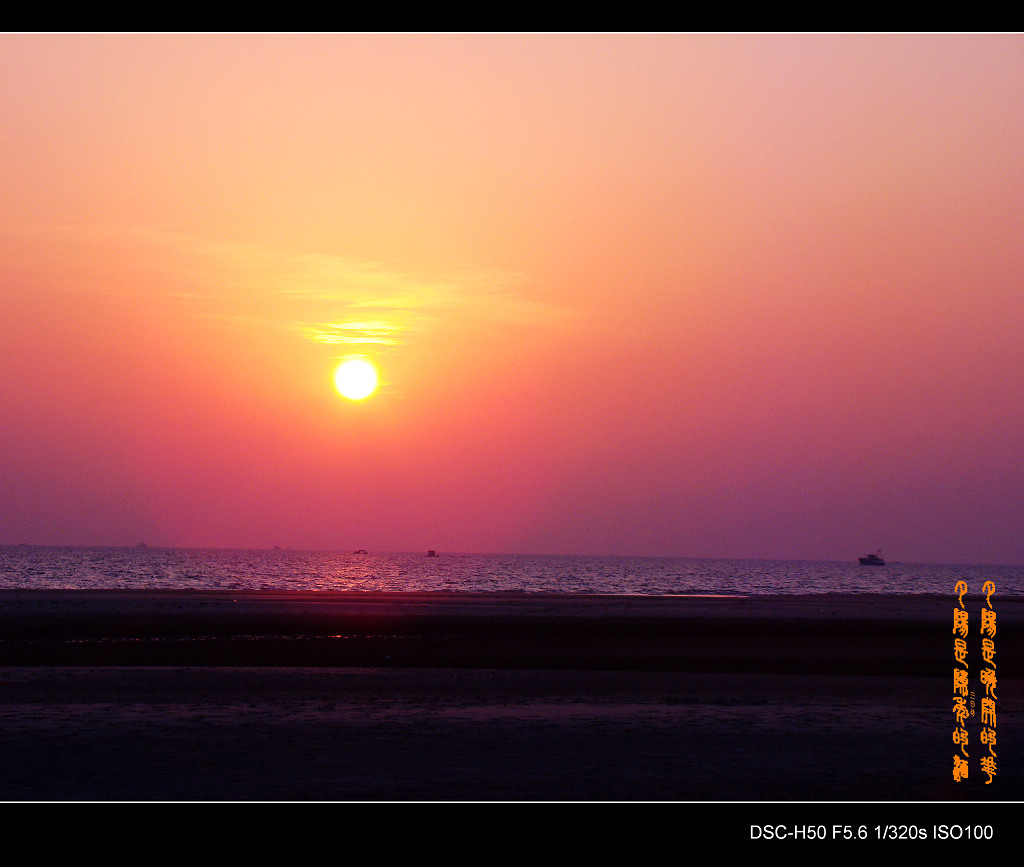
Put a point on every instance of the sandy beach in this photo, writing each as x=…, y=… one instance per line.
x=176, y=695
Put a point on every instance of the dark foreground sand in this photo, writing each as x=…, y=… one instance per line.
x=372, y=696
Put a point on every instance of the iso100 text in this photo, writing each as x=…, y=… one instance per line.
x=864, y=832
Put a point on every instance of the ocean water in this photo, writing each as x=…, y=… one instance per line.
x=141, y=568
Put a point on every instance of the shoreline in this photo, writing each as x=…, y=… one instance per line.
x=213, y=695
x=838, y=634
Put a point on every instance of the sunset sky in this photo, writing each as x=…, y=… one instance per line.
x=670, y=294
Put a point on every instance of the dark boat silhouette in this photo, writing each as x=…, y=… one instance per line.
x=872, y=560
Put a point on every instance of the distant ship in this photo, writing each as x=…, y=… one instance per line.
x=431, y=553
x=359, y=551
x=872, y=560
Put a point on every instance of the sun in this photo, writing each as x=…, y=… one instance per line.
x=355, y=378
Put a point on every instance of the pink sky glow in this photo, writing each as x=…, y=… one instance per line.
x=670, y=294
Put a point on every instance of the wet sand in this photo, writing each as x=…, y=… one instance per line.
x=174, y=695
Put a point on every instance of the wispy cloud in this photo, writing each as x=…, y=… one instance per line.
x=326, y=298
x=342, y=300
x=377, y=332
